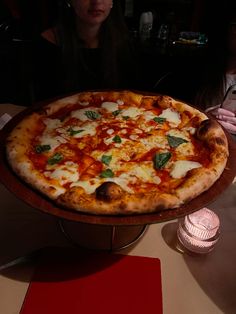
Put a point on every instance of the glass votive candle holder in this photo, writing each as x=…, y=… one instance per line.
x=199, y=231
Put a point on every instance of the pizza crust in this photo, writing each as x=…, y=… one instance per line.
x=76, y=199
x=202, y=179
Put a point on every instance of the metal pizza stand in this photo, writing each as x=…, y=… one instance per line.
x=102, y=231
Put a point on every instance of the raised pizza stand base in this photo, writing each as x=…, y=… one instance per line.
x=100, y=237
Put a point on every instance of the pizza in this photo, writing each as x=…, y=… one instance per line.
x=118, y=152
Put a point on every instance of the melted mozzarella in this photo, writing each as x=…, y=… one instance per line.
x=133, y=137
x=181, y=167
x=86, y=129
x=132, y=112
x=178, y=133
x=109, y=141
x=54, y=142
x=84, y=103
x=110, y=131
x=52, y=124
x=184, y=149
x=47, y=138
x=26, y=167
x=133, y=172
x=154, y=141
x=190, y=129
x=110, y=106
x=149, y=115
x=64, y=173
x=120, y=102
x=89, y=186
x=116, y=154
x=81, y=113
x=171, y=116
x=145, y=172
x=130, y=175
x=123, y=180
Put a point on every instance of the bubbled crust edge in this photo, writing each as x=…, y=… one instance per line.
x=75, y=198
x=201, y=179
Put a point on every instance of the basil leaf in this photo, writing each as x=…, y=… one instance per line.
x=73, y=132
x=92, y=115
x=159, y=120
x=106, y=159
x=108, y=173
x=125, y=117
x=175, y=141
x=116, y=112
x=117, y=139
x=55, y=159
x=160, y=159
x=42, y=148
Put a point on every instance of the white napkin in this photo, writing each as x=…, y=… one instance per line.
x=4, y=119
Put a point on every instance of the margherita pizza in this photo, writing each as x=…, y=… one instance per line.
x=118, y=152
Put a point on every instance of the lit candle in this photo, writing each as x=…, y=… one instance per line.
x=199, y=231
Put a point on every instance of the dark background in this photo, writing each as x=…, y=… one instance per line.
x=21, y=20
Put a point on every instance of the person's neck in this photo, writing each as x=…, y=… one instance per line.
x=89, y=34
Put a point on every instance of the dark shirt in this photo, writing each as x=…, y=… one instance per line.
x=49, y=76
x=46, y=66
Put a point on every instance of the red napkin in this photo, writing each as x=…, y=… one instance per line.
x=72, y=282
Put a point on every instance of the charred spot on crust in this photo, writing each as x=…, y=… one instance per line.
x=220, y=141
x=204, y=127
x=108, y=191
x=42, y=111
x=156, y=104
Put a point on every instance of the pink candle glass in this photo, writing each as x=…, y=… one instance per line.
x=199, y=231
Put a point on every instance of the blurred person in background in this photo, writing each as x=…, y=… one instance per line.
x=220, y=69
x=87, y=47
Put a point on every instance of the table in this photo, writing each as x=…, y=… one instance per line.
x=190, y=283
